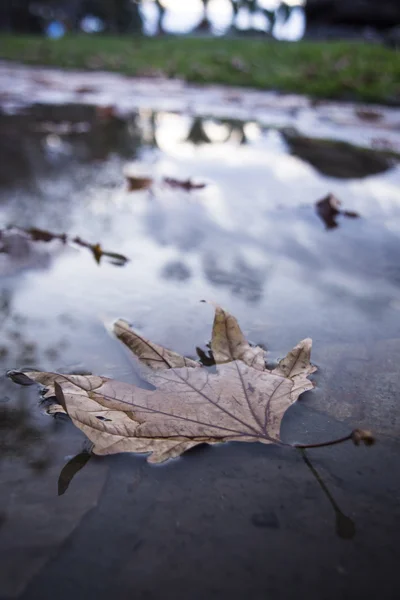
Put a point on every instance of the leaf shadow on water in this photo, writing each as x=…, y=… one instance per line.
x=71, y=468
x=345, y=527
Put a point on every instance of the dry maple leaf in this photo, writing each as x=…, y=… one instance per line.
x=228, y=342
x=240, y=399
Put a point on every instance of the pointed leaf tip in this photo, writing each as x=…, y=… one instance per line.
x=228, y=342
x=297, y=361
x=20, y=377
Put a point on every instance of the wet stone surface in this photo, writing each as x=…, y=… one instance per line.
x=241, y=520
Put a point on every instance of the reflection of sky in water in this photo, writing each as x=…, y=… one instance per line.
x=250, y=240
x=182, y=16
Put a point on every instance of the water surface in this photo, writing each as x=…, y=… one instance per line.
x=240, y=520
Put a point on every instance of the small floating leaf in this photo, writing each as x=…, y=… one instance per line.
x=184, y=184
x=328, y=209
x=138, y=183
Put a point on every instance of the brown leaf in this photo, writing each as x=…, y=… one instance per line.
x=228, y=342
x=239, y=400
x=297, y=361
x=155, y=356
x=98, y=252
x=328, y=209
x=47, y=381
x=297, y=366
x=138, y=183
x=41, y=235
x=184, y=184
x=189, y=407
x=368, y=115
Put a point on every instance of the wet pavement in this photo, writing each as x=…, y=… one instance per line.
x=242, y=520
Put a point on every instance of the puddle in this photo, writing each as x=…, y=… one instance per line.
x=339, y=159
x=254, y=240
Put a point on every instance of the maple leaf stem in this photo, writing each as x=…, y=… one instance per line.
x=323, y=444
x=356, y=436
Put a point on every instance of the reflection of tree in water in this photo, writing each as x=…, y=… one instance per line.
x=47, y=139
x=252, y=7
x=196, y=134
x=189, y=227
x=237, y=131
x=242, y=279
x=160, y=17
x=198, y=131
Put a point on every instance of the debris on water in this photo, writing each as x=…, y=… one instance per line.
x=368, y=115
x=14, y=241
x=41, y=235
x=138, y=183
x=98, y=252
x=339, y=159
x=328, y=209
x=184, y=184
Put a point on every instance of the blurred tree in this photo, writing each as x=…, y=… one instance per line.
x=30, y=16
x=197, y=134
x=118, y=16
x=19, y=16
x=204, y=25
x=161, y=12
x=377, y=13
x=122, y=16
x=282, y=11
